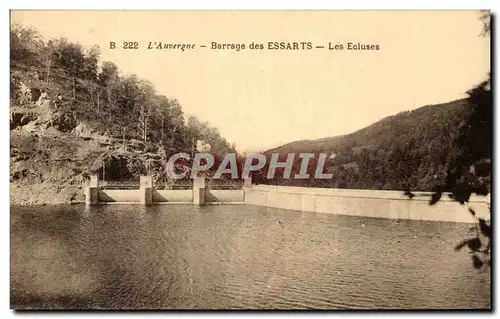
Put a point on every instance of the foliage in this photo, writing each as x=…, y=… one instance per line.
x=470, y=169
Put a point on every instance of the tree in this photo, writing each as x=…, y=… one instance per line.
x=25, y=45
x=69, y=56
x=485, y=17
x=90, y=64
x=177, y=133
x=108, y=74
x=47, y=57
x=470, y=170
x=143, y=121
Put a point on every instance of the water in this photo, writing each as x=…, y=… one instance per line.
x=234, y=257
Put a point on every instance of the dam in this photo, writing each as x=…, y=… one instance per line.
x=354, y=202
x=147, y=194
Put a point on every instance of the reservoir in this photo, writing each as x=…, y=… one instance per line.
x=236, y=257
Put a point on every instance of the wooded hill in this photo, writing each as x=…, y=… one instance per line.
x=72, y=116
x=412, y=149
x=111, y=104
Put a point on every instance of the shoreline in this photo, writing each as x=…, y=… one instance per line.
x=45, y=194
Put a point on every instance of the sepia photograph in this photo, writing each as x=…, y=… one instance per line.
x=250, y=160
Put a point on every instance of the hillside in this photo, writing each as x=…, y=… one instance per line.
x=72, y=116
x=411, y=149
x=396, y=128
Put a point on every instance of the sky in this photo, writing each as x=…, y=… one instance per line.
x=259, y=99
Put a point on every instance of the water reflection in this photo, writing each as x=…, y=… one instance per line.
x=228, y=257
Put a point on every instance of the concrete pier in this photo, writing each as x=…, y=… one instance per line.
x=199, y=191
x=92, y=191
x=247, y=182
x=146, y=190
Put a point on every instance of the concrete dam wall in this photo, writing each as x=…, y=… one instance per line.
x=147, y=194
x=122, y=195
x=369, y=203
x=224, y=196
x=170, y=196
